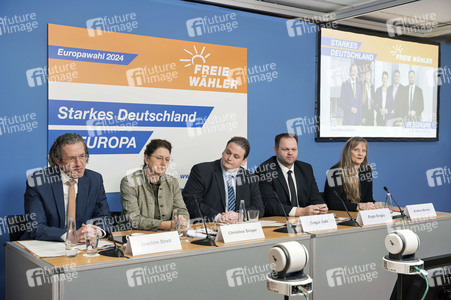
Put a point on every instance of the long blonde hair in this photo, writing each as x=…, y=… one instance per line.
x=349, y=172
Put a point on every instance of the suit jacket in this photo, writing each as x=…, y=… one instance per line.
x=417, y=103
x=44, y=197
x=380, y=121
x=206, y=184
x=347, y=101
x=368, y=113
x=336, y=185
x=138, y=201
x=400, y=101
x=272, y=180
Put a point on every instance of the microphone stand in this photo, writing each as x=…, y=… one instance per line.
x=208, y=241
x=389, y=197
x=290, y=228
x=351, y=222
x=116, y=251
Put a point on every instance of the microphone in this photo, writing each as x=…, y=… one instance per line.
x=116, y=251
x=208, y=241
x=351, y=221
x=290, y=228
x=402, y=216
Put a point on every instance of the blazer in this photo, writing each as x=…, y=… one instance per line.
x=138, y=201
x=206, y=185
x=368, y=113
x=400, y=101
x=347, y=101
x=44, y=198
x=417, y=104
x=336, y=185
x=272, y=181
x=389, y=105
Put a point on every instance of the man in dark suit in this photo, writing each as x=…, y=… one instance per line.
x=416, y=101
x=350, y=98
x=65, y=190
x=292, y=180
x=218, y=186
x=398, y=92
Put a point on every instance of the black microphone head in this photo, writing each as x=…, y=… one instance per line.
x=385, y=188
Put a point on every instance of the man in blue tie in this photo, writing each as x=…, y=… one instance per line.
x=218, y=186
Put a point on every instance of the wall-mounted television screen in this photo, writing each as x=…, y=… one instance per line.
x=376, y=87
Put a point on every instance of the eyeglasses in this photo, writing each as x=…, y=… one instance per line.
x=161, y=158
x=72, y=159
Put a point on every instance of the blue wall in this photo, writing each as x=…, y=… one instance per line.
x=400, y=166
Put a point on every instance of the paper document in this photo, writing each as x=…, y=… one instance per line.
x=53, y=249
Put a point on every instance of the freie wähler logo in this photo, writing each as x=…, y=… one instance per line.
x=350, y=275
x=247, y=275
x=18, y=23
x=205, y=75
x=397, y=53
x=438, y=176
x=122, y=23
x=210, y=25
x=148, y=275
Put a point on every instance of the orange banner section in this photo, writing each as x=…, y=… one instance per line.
x=160, y=62
x=387, y=49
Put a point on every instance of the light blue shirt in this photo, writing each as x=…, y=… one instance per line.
x=225, y=175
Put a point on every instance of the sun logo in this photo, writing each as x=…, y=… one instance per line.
x=196, y=56
x=396, y=50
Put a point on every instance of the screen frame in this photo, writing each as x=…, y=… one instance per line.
x=318, y=138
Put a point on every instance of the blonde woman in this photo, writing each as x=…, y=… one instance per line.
x=351, y=178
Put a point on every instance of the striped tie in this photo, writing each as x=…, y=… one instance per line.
x=230, y=194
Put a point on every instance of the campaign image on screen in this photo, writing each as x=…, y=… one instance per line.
x=376, y=87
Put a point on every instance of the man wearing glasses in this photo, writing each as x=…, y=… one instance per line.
x=65, y=190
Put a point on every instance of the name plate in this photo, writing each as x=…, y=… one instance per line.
x=153, y=243
x=316, y=223
x=240, y=232
x=419, y=211
x=374, y=216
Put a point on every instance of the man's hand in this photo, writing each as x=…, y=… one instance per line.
x=323, y=209
x=229, y=217
x=311, y=210
x=81, y=231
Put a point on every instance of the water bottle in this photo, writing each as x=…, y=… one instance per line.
x=71, y=239
x=242, y=212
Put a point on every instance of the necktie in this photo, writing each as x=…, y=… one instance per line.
x=411, y=95
x=353, y=88
x=294, y=198
x=71, y=203
x=230, y=194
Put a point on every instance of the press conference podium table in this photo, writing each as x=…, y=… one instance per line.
x=343, y=263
